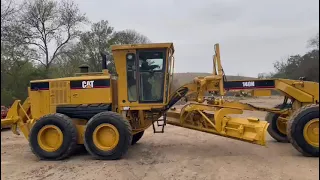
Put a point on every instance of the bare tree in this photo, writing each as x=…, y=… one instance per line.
x=129, y=37
x=68, y=63
x=91, y=43
x=262, y=76
x=8, y=10
x=48, y=26
x=314, y=41
x=86, y=50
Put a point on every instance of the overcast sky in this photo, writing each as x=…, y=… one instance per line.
x=252, y=33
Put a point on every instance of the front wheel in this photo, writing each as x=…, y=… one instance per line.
x=53, y=137
x=107, y=136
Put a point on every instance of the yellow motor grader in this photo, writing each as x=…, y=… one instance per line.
x=108, y=111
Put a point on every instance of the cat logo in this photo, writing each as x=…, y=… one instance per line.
x=87, y=84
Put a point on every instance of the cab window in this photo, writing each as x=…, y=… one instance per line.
x=151, y=71
x=131, y=77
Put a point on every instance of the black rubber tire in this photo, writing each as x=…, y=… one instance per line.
x=70, y=137
x=272, y=129
x=295, y=129
x=125, y=135
x=83, y=112
x=136, y=137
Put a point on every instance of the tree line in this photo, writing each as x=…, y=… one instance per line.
x=298, y=66
x=44, y=39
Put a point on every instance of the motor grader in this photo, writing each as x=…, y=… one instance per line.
x=108, y=111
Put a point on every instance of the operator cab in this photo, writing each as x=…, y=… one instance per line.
x=145, y=73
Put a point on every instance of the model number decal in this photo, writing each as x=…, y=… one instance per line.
x=248, y=84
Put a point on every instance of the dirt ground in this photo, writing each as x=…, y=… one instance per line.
x=177, y=154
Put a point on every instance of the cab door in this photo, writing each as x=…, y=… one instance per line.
x=151, y=75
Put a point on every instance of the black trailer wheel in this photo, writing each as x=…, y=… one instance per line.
x=136, y=137
x=53, y=137
x=108, y=136
x=303, y=130
x=277, y=129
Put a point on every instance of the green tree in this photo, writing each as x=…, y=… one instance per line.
x=16, y=71
x=129, y=36
x=314, y=42
x=296, y=66
x=91, y=43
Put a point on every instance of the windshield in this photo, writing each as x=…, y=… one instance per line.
x=151, y=68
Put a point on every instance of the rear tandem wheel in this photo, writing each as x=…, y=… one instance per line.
x=303, y=130
x=107, y=136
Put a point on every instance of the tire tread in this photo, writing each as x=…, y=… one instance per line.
x=70, y=126
x=292, y=122
x=272, y=133
x=128, y=129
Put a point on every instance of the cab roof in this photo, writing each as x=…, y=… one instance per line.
x=142, y=46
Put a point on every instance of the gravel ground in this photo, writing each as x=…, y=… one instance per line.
x=177, y=154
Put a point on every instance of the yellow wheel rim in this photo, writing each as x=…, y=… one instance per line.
x=50, y=138
x=106, y=137
x=311, y=132
x=281, y=125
